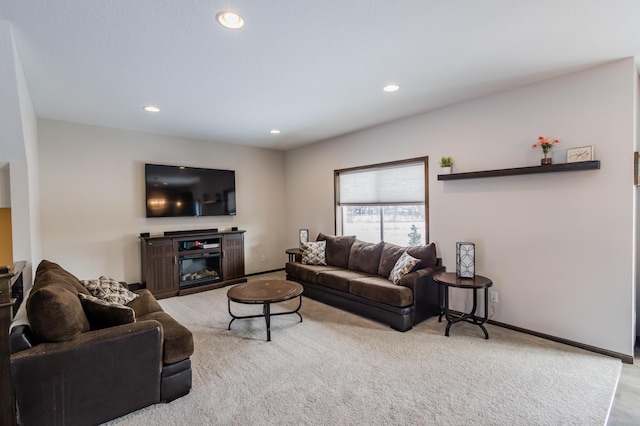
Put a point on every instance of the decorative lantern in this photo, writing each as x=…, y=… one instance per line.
x=465, y=260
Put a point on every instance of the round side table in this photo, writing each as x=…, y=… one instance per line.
x=446, y=280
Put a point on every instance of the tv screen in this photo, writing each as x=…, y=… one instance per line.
x=189, y=191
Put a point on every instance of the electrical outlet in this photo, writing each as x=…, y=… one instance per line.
x=263, y=258
x=493, y=296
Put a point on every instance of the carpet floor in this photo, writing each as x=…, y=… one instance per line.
x=336, y=368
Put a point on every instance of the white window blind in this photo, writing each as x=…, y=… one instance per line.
x=401, y=183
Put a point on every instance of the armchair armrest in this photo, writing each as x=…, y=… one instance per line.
x=93, y=378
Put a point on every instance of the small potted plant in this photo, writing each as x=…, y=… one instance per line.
x=446, y=163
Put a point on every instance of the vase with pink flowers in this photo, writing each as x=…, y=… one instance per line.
x=546, y=144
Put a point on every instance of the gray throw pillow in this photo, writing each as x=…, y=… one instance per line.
x=365, y=257
x=103, y=314
x=338, y=248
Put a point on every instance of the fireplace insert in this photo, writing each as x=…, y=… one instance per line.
x=198, y=269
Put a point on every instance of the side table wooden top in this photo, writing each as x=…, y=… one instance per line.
x=451, y=279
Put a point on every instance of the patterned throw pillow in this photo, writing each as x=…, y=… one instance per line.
x=404, y=265
x=313, y=253
x=103, y=314
x=108, y=289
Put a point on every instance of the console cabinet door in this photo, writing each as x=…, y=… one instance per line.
x=233, y=256
x=160, y=269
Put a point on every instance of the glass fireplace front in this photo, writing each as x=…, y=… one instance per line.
x=199, y=269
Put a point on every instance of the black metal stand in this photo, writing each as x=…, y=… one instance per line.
x=466, y=317
x=266, y=313
x=446, y=280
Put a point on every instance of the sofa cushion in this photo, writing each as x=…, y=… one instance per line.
x=426, y=254
x=50, y=273
x=365, y=257
x=313, y=253
x=405, y=264
x=55, y=313
x=103, y=314
x=145, y=303
x=307, y=273
x=338, y=279
x=178, y=340
x=108, y=289
x=381, y=290
x=388, y=258
x=338, y=249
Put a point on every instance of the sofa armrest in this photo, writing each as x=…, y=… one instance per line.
x=98, y=376
x=414, y=280
x=425, y=291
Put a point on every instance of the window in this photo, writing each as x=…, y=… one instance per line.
x=383, y=202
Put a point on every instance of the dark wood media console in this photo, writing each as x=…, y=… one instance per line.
x=174, y=265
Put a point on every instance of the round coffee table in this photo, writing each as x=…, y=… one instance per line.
x=264, y=292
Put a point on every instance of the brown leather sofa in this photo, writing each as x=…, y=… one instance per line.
x=356, y=279
x=72, y=365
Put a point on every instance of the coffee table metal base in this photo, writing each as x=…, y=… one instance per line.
x=266, y=313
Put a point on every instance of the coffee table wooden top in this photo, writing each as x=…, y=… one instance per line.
x=265, y=291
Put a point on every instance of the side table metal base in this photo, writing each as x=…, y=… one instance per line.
x=446, y=280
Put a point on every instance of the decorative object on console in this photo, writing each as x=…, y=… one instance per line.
x=465, y=260
x=446, y=164
x=583, y=153
x=303, y=236
x=546, y=144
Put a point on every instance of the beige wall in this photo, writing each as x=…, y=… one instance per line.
x=559, y=247
x=18, y=154
x=92, y=197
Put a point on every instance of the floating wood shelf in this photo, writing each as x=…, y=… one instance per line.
x=554, y=168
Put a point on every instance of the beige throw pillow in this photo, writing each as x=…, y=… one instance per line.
x=405, y=264
x=108, y=289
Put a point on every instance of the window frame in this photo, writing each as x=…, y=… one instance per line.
x=337, y=210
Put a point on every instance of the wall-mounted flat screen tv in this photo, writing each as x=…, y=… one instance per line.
x=174, y=191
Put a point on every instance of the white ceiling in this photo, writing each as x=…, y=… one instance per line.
x=312, y=68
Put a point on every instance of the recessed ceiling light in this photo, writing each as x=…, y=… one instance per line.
x=391, y=88
x=230, y=19
x=151, y=108
x=274, y=131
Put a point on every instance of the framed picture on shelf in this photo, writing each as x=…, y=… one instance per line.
x=303, y=236
x=636, y=168
x=583, y=153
